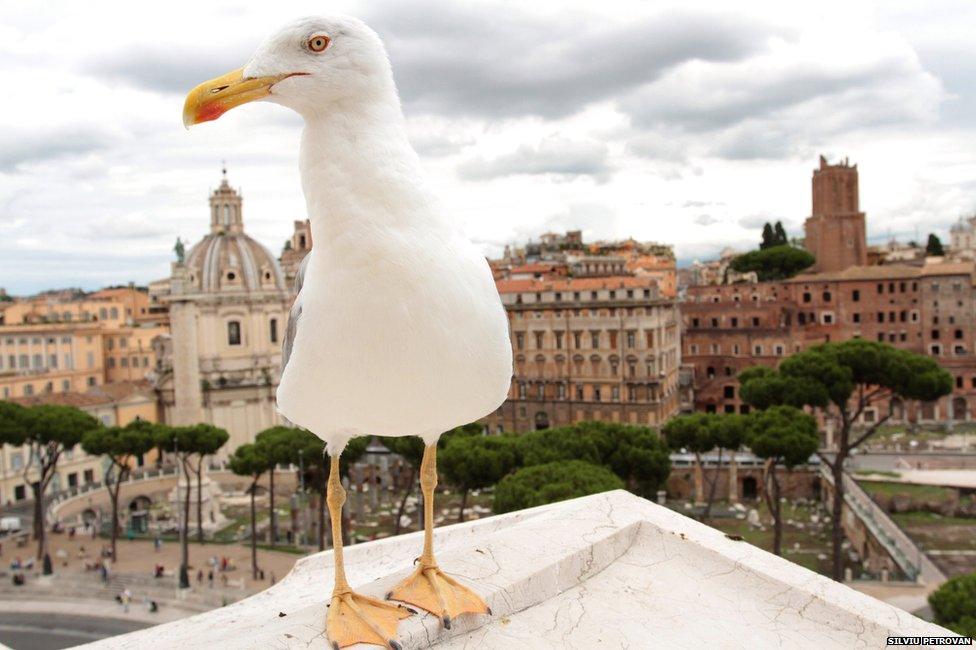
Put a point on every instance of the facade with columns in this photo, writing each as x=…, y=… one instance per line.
x=228, y=304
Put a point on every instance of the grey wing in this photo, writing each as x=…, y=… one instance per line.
x=294, y=315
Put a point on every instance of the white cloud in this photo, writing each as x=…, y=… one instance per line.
x=681, y=122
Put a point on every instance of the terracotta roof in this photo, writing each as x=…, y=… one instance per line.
x=888, y=272
x=536, y=267
x=575, y=284
x=97, y=396
x=882, y=272
x=64, y=399
x=122, y=389
x=948, y=268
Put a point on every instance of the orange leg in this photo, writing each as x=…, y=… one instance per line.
x=428, y=587
x=354, y=618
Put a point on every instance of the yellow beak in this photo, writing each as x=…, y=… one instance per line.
x=213, y=98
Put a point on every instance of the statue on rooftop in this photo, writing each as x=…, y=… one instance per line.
x=180, y=251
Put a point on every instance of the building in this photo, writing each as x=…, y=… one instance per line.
x=228, y=305
x=50, y=358
x=835, y=231
x=603, y=348
x=295, y=250
x=962, y=239
x=924, y=308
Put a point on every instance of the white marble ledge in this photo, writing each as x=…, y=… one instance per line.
x=606, y=571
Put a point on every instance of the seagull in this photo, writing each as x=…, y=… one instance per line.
x=398, y=328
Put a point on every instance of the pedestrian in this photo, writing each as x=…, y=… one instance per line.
x=126, y=597
x=273, y=579
x=157, y=543
x=200, y=575
x=210, y=577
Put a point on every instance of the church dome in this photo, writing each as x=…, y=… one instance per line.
x=228, y=259
x=232, y=261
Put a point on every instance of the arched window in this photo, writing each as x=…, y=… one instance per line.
x=226, y=215
x=274, y=330
x=233, y=332
x=114, y=312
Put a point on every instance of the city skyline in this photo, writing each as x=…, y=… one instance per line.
x=694, y=128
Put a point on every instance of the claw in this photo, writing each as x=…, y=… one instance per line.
x=447, y=622
x=394, y=645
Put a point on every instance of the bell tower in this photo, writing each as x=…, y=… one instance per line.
x=835, y=230
x=225, y=208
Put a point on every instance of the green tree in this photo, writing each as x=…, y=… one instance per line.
x=278, y=445
x=250, y=460
x=411, y=449
x=933, y=248
x=205, y=440
x=552, y=482
x=474, y=462
x=636, y=454
x=843, y=380
x=954, y=604
x=694, y=433
x=729, y=431
x=768, y=237
x=51, y=430
x=774, y=262
x=13, y=424
x=782, y=435
x=121, y=445
x=181, y=442
x=779, y=234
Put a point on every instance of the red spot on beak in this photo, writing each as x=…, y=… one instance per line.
x=209, y=112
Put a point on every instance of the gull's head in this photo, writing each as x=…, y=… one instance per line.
x=313, y=65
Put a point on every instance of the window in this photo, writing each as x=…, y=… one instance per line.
x=828, y=318
x=273, y=326
x=694, y=322
x=631, y=339
x=856, y=295
x=826, y=296
x=958, y=334
x=755, y=321
x=880, y=288
x=735, y=322
x=559, y=340
x=596, y=393
x=728, y=392
x=233, y=332
x=757, y=350
x=806, y=296
x=856, y=317
x=594, y=339
x=935, y=335
x=28, y=389
x=778, y=350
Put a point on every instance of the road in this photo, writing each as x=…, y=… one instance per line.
x=46, y=631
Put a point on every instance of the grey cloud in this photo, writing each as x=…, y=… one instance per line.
x=491, y=62
x=556, y=156
x=705, y=220
x=22, y=147
x=163, y=70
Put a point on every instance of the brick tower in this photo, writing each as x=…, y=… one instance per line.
x=835, y=229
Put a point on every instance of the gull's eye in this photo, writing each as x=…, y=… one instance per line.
x=318, y=43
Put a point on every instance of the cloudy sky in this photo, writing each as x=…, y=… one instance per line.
x=688, y=124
